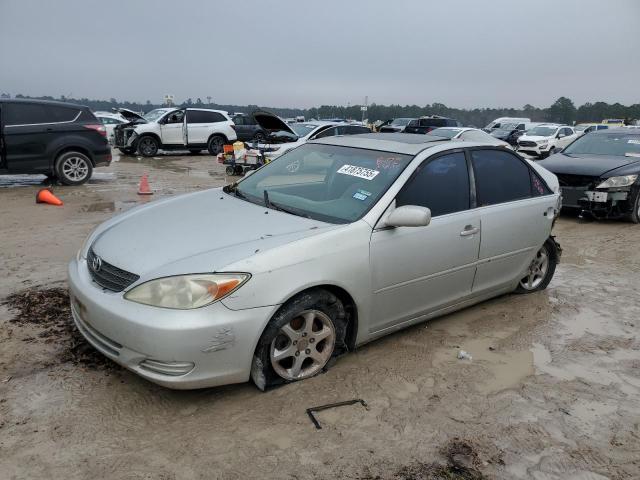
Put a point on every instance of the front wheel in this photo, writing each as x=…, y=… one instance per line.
x=215, y=144
x=541, y=268
x=300, y=339
x=634, y=216
x=148, y=146
x=73, y=168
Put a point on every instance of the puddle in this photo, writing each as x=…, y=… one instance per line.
x=10, y=181
x=107, y=206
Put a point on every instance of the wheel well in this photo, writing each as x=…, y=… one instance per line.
x=349, y=306
x=63, y=150
x=217, y=135
x=150, y=134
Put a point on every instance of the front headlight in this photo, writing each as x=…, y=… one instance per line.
x=542, y=142
x=185, y=292
x=623, y=181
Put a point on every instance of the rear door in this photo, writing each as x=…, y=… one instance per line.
x=515, y=210
x=27, y=132
x=242, y=128
x=416, y=270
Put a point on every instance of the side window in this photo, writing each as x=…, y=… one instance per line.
x=500, y=177
x=354, y=130
x=520, y=127
x=26, y=114
x=329, y=132
x=61, y=114
x=196, y=116
x=215, y=117
x=538, y=186
x=175, y=117
x=442, y=185
x=567, y=131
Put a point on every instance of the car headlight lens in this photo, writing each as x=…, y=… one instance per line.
x=623, y=181
x=184, y=292
x=542, y=142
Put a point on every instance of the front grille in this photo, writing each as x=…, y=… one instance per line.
x=567, y=180
x=121, y=136
x=109, y=276
x=525, y=143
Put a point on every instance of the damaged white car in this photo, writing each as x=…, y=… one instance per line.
x=333, y=244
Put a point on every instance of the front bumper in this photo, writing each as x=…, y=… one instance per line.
x=534, y=150
x=181, y=349
x=601, y=203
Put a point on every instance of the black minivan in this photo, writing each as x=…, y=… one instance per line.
x=60, y=140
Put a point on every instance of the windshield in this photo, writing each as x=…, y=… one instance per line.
x=542, y=131
x=324, y=182
x=154, y=115
x=303, y=129
x=444, y=132
x=619, y=145
x=400, y=122
x=508, y=126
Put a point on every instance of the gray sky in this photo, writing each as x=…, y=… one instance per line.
x=302, y=53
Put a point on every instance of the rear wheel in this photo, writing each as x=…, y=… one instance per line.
x=300, y=339
x=541, y=269
x=73, y=168
x=148, y=146
x=215, y=144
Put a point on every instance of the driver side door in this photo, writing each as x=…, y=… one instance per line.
x=171, y=128
x=417, y=270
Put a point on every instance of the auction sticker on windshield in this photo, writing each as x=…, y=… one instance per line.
x=359, y=172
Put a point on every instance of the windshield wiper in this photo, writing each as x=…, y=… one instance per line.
x=269, y=204
x=234, y=188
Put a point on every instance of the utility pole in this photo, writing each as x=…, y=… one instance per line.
x=364, y=107
x=209, y=99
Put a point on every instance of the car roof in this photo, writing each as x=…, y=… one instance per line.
x=44, y=102
x=617, y=131
x=406, y=143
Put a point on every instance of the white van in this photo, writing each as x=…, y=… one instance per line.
x=498, y=121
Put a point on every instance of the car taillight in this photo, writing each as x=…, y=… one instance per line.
x=98, y=128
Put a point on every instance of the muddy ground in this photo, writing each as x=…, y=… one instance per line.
x=552, y=392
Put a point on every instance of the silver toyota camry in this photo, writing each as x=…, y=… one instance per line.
x=338, y=242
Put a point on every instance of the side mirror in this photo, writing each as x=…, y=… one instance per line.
x=409, y=216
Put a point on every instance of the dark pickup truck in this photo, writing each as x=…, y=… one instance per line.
x=426, y=124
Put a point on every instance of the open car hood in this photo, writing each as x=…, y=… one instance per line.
x=130, y=115
x=272, y=123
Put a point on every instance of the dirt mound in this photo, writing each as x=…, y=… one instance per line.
x=48, y=311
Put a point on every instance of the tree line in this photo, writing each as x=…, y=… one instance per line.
x=562, y=110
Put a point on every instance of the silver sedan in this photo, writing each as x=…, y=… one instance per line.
x=338, y=242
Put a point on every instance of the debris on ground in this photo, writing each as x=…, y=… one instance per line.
x=463, y=463
x=310, y=411
x=49, y=310
x=462, y=355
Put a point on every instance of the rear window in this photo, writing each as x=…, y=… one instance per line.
x=433, y=122
x=34, y=113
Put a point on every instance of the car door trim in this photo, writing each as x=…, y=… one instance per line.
x=45, y=123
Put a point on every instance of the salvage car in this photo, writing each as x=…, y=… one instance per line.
x=61, y=140
x=424, y=125
x=469, y=135
x=546, y=139
x=397, y=125
x=248, y=129
x=334, y=244
x=599, y=174
x=193, y=129
x=283, y=137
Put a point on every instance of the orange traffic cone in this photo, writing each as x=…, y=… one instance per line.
x=144, y=188
x=45, y=195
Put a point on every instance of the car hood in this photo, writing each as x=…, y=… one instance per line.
x=533, y=138
x=196, y=233
x=587, y=165
x=130, y=115
x=272, y=123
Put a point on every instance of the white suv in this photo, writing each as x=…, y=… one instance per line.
x=546, y=139
x=193, y=129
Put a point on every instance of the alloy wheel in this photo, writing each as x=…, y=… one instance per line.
x=537, y=270
x=216, y=145
x=148, y=147
x=75, y=168
x=303, y=346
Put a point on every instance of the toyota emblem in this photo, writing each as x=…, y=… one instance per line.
x=96, y=263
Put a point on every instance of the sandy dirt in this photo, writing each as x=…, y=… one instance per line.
x=552, y=392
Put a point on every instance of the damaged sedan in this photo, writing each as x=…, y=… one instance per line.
x=338, y=242
x=599, y=174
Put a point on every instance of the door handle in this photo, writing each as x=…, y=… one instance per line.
x=469, y=230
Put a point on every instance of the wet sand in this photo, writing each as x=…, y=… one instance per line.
x=552, y=392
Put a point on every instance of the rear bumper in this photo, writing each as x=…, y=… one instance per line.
x=180, y=349
x=102, y=159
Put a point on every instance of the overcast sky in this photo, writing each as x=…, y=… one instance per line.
x=302, y=53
